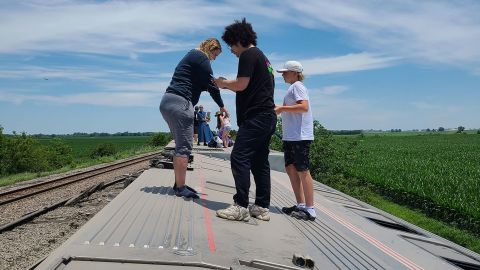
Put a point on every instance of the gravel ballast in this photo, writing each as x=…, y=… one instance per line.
x=23, y=246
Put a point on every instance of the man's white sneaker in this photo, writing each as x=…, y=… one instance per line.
x=259, y=212
x=234, y=212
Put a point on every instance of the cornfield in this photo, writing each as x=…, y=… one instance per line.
x=441, y=169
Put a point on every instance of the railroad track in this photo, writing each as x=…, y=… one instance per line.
x=32, y=190
x=10, y=199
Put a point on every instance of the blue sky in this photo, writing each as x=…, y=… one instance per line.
x=103, y=66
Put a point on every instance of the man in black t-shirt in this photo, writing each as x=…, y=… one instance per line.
x=256, y=119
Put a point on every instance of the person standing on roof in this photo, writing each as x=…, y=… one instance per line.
x=195, y=125
x=256, y=119
x=224, y=127
x=204, y=131
x=192, y=76
x=297, y=129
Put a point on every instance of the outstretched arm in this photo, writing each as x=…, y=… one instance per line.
x=215, y=94
x=300, y=107
x=237, y=85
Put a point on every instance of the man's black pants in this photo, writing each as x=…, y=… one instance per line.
x=250, y=152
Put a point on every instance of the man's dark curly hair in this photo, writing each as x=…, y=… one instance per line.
x=240, y=32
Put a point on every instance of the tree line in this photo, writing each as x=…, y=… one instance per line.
x=21, y=153
x=94, y=134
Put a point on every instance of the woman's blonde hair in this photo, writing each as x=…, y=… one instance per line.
x=301, y=77
x=209, y=45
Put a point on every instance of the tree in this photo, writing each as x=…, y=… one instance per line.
x=233, y=134
x=441, y=129
x=60, y=153
x=23, y=153
x=160, y=139
x=460, y=129
x=276, y=142
x=102, y=150
x=2, y=140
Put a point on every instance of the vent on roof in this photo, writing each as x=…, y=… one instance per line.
x=464, y=265
x=449, y=253
x=391, y=225
x=382, y=220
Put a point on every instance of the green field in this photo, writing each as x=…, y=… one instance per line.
x=83, y=146
x=441, y=168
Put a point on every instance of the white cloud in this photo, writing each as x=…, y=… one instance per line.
x=96, y=78
x=435, y=108
x=336, y=112
x=133, y=56
x=114, y=99
x=345, y=63
x=71, y=73
x=384, y=33
x=112, y=27
x=156, y=86
x=438, y=31
x=422, y=105
x=331, y=90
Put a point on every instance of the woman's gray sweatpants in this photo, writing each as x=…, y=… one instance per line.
x=178, y=113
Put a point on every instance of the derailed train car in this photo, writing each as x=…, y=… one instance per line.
x=148, y=227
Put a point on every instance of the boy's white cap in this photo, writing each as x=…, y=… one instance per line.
x=291, y=66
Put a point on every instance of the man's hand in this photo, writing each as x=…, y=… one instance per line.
x=219, y=82
x=223, y=109
x=278, y=109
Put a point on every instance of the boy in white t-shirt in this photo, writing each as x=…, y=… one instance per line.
x=297, y=127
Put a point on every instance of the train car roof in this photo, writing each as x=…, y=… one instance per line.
x=147, y=227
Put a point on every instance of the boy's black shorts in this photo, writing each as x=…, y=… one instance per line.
x=297, y=153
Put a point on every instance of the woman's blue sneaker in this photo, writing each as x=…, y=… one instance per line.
x=186, y=193
x=188, y=187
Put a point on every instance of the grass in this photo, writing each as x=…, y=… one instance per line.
x=415, y=133
x=461, y=237
x=444, y=169
x=81, y=163
x=431, y=180
x=83, y=146
x=367, y=193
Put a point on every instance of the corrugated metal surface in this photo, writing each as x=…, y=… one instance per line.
x=147, y=227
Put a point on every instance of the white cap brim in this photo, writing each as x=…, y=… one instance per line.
x=282, y=70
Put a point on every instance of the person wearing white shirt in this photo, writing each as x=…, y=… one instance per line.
x=225, y=127
x=297, y=128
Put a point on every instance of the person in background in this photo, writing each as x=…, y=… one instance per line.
x=224, y=126
x=219, y=121
x=204, y=132
x=297, y=128
x=192, y=75
x=256, y=119
x=195, y=125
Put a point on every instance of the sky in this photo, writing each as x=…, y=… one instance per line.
x=103, y=66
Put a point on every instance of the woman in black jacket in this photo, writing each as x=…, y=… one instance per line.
x=192, y=76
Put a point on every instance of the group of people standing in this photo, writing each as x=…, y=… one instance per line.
x=256, y=118
x=202, y=132
x=201, y=129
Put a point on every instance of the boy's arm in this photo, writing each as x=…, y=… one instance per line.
x=237, y=85
x=300, y=107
